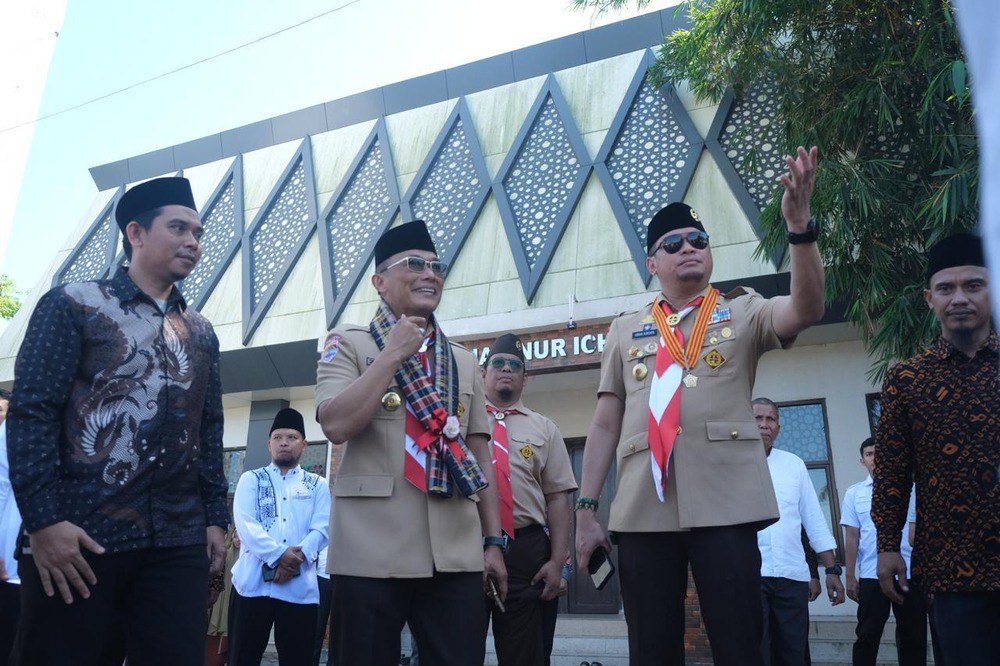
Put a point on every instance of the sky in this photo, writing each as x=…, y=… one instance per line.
x=238, y=62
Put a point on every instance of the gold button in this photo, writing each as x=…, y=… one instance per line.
x=631, y=447
x=734, y=434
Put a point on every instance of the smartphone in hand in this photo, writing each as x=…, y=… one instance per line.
x=600, y=567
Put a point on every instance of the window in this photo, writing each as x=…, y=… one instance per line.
x=804, y=432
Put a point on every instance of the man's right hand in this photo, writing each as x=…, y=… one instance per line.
x=589, y=535
x=406, y=337
x=853, y=588
x=890, y=568
x=60, y=562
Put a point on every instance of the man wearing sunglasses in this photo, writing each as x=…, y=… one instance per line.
x=674, y=407
x=407, y=534
x=534, y=477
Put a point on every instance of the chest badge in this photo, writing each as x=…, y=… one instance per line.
x=391, y=400
x=633, y=352
x=639, y=371
x=461, y=410
x=527, y=452
x=651, y=348
x=714, y=359
x=726, y=332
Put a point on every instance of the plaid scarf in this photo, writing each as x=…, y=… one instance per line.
x=449, y=459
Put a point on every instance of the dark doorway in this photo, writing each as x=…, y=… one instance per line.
x=582, y=597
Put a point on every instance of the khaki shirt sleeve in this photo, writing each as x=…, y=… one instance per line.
x=557, y=476
x=337, y=368
x=479, y=419
x=611, y=364
x=760, y=315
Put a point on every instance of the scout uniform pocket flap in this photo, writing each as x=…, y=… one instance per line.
x=732, y=430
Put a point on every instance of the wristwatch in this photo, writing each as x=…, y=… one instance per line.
x=498, y=541
x=835, y=570
x=810, y=235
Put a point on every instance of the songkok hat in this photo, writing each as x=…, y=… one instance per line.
x=289, y=418
x=955, y=250
x=675, y=216
x=153, y=194
x=508, y=343
x=405, y=237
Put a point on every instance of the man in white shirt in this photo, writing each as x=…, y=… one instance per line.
x=784, y=573
x=282, y=513
x=873, y=606
x=10, y=525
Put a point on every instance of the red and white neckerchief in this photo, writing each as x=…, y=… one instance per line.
x=501, y=465
x=415, y=461
x=671, y=363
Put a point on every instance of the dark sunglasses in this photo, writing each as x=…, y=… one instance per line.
x=499, y=363
x=417, y=265
x=673, y=243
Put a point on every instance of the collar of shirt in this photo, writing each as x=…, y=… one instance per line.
x=519, y=406
x=128, y=290
x=943, y=349
x=277, y=470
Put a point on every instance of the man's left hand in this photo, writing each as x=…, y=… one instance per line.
x=216, y=537
x=834, y=589
x=814, y=589
x=799, y=183
x=551, y=573
x=493, y=567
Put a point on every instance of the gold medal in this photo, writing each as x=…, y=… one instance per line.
x=713, y=339
x=690, y=381
x=673, y=319
x=391, y=401
x=639, y=371
x=633, y=352
x=727, y=332
x=714, y=359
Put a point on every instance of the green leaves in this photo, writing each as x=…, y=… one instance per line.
x=882, y=88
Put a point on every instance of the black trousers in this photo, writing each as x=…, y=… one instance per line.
x=250, y=622
x=965, y=627
x=911, y=625
x=10, y=611
x=518, y=633
x=785, y=604
x=725, y=564
x=156, y=598
x=322, y=619
x=445, y=613
x=550, y=613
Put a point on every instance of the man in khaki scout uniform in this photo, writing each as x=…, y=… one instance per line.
x=674, y=409
x=415, y=493
x=534, y=476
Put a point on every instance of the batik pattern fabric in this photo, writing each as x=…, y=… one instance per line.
x=116, y=422
x=940, y=427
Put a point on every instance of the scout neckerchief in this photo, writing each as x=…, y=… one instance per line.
x=671, y=363
x=501, y=465
x=436, y=453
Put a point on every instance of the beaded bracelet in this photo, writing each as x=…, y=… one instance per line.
x=588, y=503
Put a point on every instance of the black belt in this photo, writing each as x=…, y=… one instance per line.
x=525, y=531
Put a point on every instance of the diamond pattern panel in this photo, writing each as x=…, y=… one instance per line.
x=277, y=233
x=222, y=228
x=650, y=159
x=541, y=180
x=91, y=260
x=450, y=190
x=351, y=225
x=752, y=141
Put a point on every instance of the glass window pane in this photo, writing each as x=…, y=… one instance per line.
x=803, y=432
x=314, y=459
x=821, y=482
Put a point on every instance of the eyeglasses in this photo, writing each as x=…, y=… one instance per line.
x=673, y=243
x=499, y=363
x=417, y=265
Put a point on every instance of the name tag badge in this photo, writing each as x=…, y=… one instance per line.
x=648, y=331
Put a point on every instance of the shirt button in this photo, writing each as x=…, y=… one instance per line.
x=631, y=447
x=734, y=434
